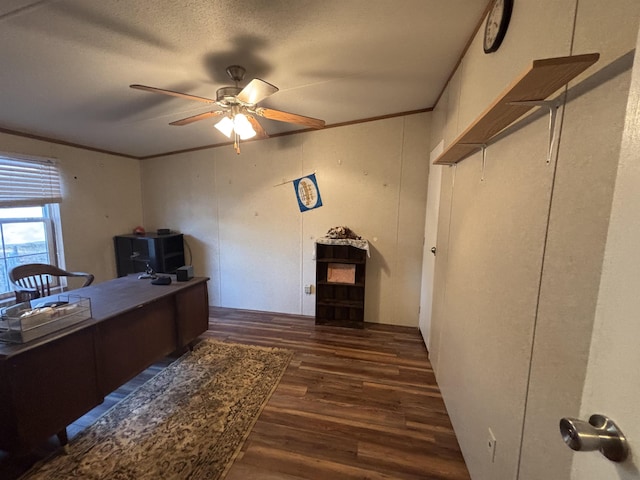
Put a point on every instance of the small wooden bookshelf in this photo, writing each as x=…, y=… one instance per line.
x=340, y=280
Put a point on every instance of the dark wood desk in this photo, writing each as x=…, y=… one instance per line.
x=48, y=383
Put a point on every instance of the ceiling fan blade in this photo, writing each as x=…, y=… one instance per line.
x=172, y=93
x=260, y=132
x=195, y=118
x=256, y=91
x=289, y=117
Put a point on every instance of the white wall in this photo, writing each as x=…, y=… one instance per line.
x=248, y=235
x=245, y=232
x=611, y=385
x=579, y=217
x=520, y=253
x=101, y=198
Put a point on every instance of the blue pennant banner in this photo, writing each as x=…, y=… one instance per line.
x=307, y=192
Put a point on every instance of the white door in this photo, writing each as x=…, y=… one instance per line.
x=430, y=235
x=612, y=385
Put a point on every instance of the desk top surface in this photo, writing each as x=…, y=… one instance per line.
x=108, y=299
x=120, y=295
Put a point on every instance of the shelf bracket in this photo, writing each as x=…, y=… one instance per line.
x=482, y=146
x=553, y=106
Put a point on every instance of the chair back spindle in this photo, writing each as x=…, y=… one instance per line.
x=35, y=280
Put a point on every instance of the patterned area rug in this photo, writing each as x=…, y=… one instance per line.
x=188, y=422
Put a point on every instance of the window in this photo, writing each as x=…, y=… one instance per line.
x=26, y=236
x=29, y=214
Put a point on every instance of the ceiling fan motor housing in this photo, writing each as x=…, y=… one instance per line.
x=226, y=96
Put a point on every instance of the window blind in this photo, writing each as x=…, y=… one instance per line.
x=28, y=182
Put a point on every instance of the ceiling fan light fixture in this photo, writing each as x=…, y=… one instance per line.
x=225, y=126
x=243, y=127
x=238, y=124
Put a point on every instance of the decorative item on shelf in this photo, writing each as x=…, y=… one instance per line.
x=343, y=235
x=139, y=230
x=342, y=232
x=341, y=273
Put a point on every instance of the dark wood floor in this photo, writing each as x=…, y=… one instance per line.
x=353, y=404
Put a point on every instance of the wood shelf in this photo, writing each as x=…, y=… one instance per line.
x=341, y=260
x=340, y=303
x=358, y=284
x=331, y=302
x=538, y=82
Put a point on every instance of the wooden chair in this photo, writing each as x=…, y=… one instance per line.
x=34, y=280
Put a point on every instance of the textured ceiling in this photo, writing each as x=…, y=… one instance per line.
x=66, y=65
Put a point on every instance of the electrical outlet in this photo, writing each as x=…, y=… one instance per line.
x=307, y=289
x=491, y=446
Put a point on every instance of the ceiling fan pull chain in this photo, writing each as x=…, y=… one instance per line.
x=236, y=143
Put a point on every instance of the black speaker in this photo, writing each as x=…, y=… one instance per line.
x=184, y=274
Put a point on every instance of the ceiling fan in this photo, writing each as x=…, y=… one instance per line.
x=238, y=107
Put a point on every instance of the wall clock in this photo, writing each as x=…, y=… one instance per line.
x=497, y=24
